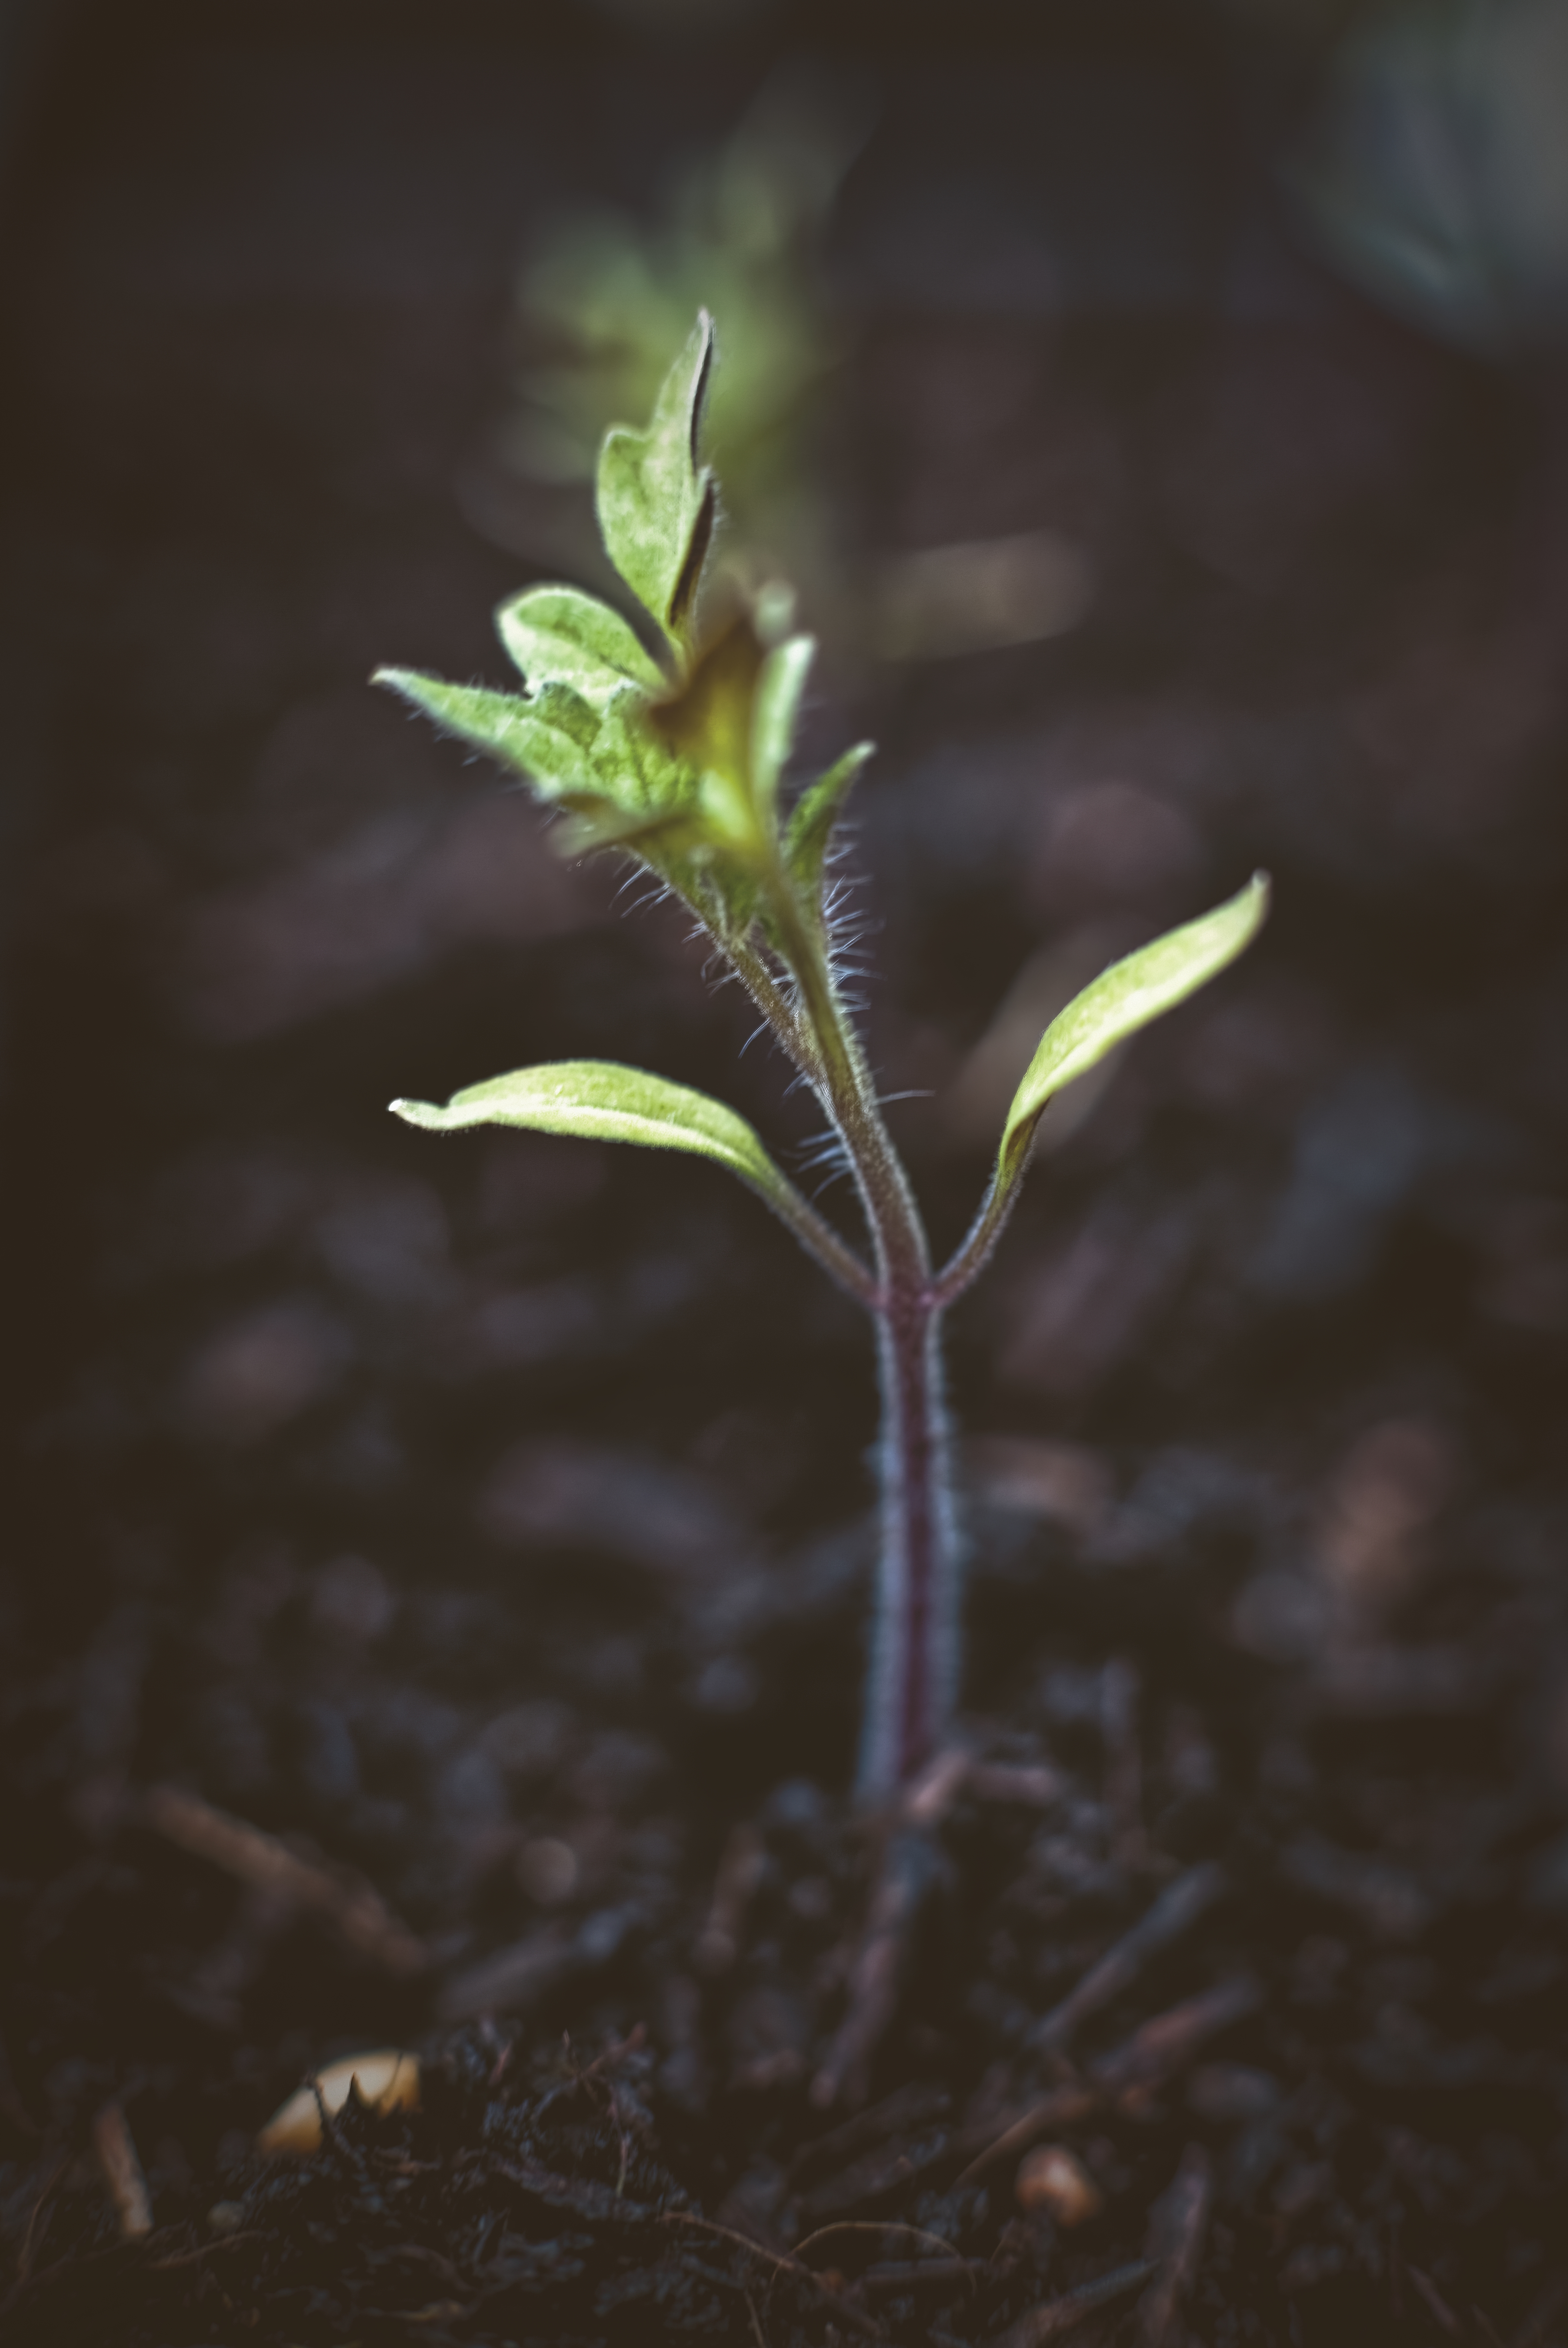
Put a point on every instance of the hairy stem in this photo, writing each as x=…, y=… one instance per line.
x=913, y=1664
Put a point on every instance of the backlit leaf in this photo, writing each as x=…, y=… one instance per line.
x=1124, y=998
x=657, y=505
x=812, y=821
x=559, y=635
x=776, y=711
x=606, y=1102
x=548, y=738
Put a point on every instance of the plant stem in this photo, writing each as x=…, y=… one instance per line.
x=915, y=1653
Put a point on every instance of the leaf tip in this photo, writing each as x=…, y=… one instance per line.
x=415, y=1112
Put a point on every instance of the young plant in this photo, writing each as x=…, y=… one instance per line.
x=676, y=758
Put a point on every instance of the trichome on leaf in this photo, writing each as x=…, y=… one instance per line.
x=677, y=761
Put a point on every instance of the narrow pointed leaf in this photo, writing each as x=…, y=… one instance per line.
x=1124, y=998
x=605, y=1101
x=812, y=821
x=776, y=711
x=657, y=505
x=559, y=635
x=548, y=738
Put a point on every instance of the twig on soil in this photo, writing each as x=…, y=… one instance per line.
x=33, y=2233
x=1161, y=2046
x=206, y=2251
x=595, y=2074
x=1120, y=1688
x=1177, y=2224
x=914, y=2106
x=353, y=1907
x=1061, y=2107
x=777, y=2265
x=868, y=2180
x=909, y=1869
x=11, y=2103
x=1060, y=2316
x=116, y=2150
x=907, y=2274
x=1033, y=1785
x=1549, y=2305
x=1435, y=2305
x=741, y=1867
x=1175, y=1911
x=934, y=1792
x=885, y=2228
x=1129, y=2073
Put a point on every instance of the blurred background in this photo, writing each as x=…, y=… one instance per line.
x=1163, y=411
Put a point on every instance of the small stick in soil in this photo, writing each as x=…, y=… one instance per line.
x=914, y=2106
x=351, y=1905
x=594, y=2074
x=908, y=1871
x=1129, y=2072
x=883, y=2227
x=206, y=2251
x=1175, y=1911
x=907, y=2274
x=1549, y=2305
x=934, y=1792
x=1060, y=2316
x=1120, y=1689
x=1061, y=2107
x=1177, y=2224
x=33, y=2233
x=1437, y=2306
x=116, y=2150
x=1033, y=1785
x=853, y=2316
x=740, y=1872
x=11, y=2103
x=1159, y=2047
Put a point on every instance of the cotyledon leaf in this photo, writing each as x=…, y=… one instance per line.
x=603, y=1100
x=1122, y=999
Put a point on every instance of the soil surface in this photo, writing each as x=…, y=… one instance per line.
x=436, y=1573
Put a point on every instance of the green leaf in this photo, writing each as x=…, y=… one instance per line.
x=656, y=506
x=1128, y=997
x=775, y=713
x=812, y=820
x=549, y=739
x=607, y=1102
x=557, y=635
x=603, y=1101
x=636, y=764
x=708, y=723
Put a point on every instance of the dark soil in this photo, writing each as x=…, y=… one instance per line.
x=436, y=1573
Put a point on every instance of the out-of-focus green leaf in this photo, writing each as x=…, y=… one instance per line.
x=549, y=739
x=812, y=821
x=1124, y=998
x=775, y=713
x=559, y=635
x=710, y=722
x=656, y=504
